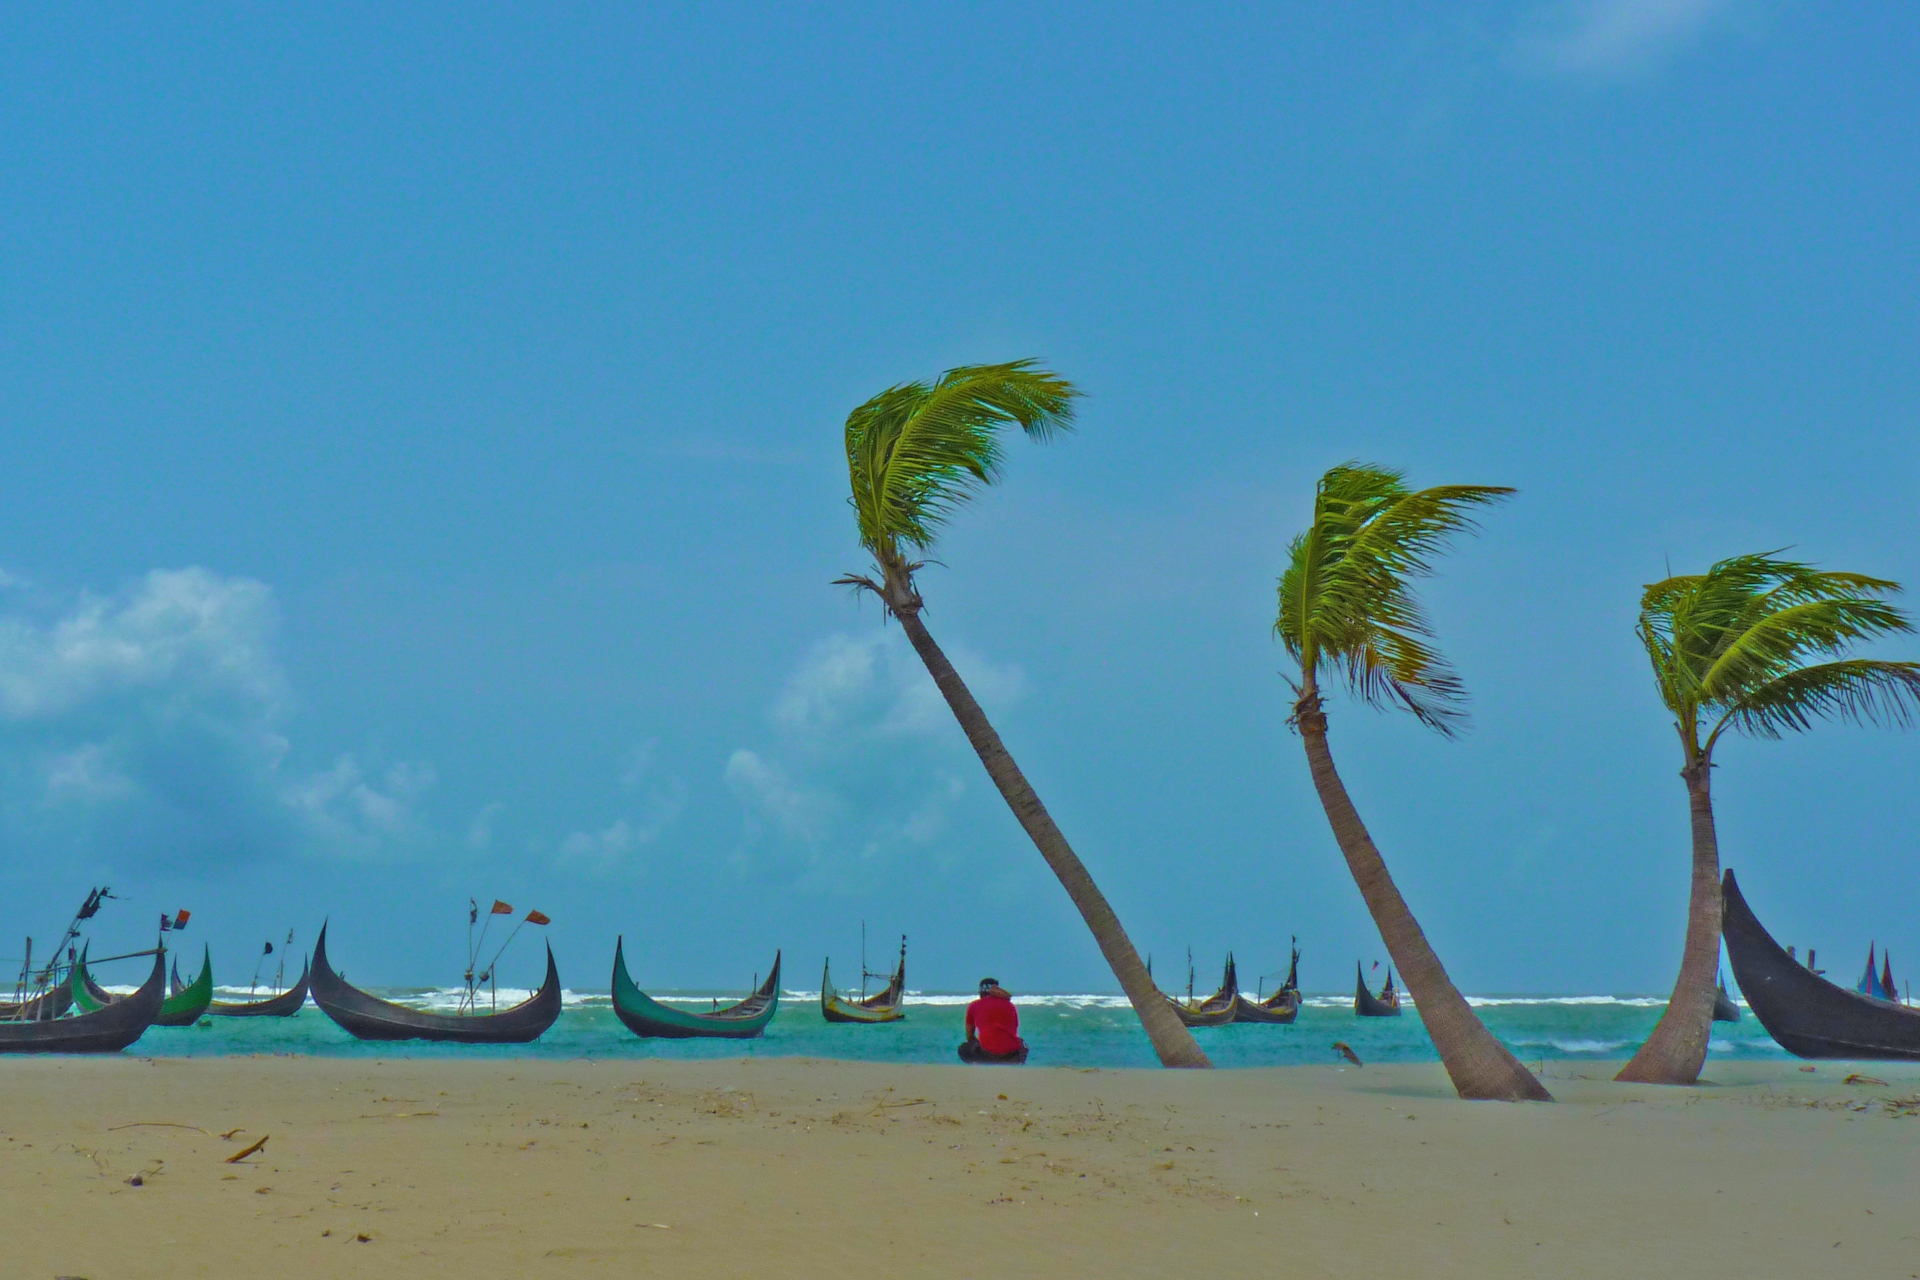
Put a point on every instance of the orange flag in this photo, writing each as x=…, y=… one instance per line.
x=538, y=917
x=501, y=908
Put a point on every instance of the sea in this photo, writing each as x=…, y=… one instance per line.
x=1060, y=1030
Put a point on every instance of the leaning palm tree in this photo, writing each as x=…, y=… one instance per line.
x=915, y=452
x=1346, y=608
x=1730, y=650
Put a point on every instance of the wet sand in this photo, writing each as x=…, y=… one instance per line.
x=802, y=1168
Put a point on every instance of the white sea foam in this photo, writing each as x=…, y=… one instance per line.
x=1576, y=1046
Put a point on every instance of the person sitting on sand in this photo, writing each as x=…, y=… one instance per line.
x=993, y=1027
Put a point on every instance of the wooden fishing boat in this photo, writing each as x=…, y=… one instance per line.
x=1368, y=1005
x=885, y=1007
x=370, y=1018
x=1283, y=1006
x=1809, y=1016
x=108, y=1029
x=182, y=1008
x=48, y=1004
x=284, y=1005
x=90, y=995
x=645, y=1016
x=1724, y=1009
x=1218, y=1009
x=188, y=1003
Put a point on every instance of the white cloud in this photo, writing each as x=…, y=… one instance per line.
x=352, y=814
x=798, y=812
x=149, y=725
x=866, y=763
x=178, y=629
x=617, y=846
x=875, y=685
x=1609, y=38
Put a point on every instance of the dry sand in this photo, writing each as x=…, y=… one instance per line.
x=794, y=1168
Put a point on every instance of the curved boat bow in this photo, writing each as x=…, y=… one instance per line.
x=370, y=1018
x=1368, y=1005
x=645, y=1016
x=284, y=1005
x=105, y=1029
x=885, y=1007
x=1809, y=1016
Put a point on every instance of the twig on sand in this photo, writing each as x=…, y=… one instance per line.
x=238, y=1156
x=1857, y=1078
x=157, y=1124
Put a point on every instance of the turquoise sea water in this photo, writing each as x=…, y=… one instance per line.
x=1061, y=1030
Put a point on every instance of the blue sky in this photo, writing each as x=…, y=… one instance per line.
x=422, y=434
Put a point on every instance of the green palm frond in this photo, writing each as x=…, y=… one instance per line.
x=917, y=451
x=1856, y=690
x=1738, y=646
x=1345, y=596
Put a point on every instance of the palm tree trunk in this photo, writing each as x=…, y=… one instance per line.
x=1478, y=1064
x=1677, y=1049
x=1171, y=1039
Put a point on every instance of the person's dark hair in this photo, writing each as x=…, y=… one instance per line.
x=988, y=984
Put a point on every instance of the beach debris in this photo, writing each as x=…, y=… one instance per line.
x=157, y=1124
x=1857, y=1078
x=228, y=1135
x=654, y=1226
x=1808, y=1070
x=362, y=1237
x=238, y=1156
x=1345, y=1050
x=136, y=1181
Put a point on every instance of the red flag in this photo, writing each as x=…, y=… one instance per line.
x=538, y=917
x=501, y=908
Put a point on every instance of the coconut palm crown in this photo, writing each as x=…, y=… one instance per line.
x=1346, y=599
x=1740, y=648
x=1730, y=650
x=1346, y=603
x=915, y=453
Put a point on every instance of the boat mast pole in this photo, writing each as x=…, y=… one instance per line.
x=473, y=913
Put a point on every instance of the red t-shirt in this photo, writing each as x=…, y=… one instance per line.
x=995, y=1022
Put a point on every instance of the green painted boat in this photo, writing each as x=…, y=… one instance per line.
x=180, y=1010
x=88, y=995
x=645, y=1016
x=185, y=1008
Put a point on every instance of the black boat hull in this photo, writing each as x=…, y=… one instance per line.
x=1807, y=1015
x=1273, y=1011
x=368, y=1017
x=284, y=1005
x=107, y=1030
x=1724, y=1009
x=48, y=1004
x=1368, y=1005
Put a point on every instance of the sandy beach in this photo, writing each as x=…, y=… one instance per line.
x=809, y=1168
